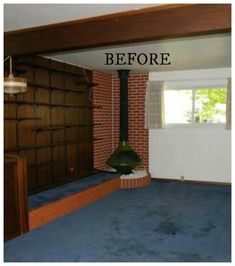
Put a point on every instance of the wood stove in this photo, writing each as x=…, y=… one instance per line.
x=124, y=159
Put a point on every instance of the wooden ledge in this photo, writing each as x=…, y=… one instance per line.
x=47, y=213
x=54, y=210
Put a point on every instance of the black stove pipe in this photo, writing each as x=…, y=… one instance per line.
x=124, y=159
x=123, y=76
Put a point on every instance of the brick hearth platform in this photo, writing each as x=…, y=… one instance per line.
x=135, y=182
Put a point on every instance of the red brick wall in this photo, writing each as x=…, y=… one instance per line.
x=102, y=95
x=138, y=135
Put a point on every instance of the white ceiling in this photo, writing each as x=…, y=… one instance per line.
x=20, y=16
x=212, y=51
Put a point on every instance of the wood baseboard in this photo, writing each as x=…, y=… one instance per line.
x=191, y=181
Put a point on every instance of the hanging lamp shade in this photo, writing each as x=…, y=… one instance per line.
x=13, y=85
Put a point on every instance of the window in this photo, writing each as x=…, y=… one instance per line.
x=190, y=103
x=195, y=106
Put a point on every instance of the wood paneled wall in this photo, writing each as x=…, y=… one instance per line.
x=51, y=124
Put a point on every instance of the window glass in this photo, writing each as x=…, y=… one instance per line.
x=210, y=106
x=178, y=106
x=195, y=106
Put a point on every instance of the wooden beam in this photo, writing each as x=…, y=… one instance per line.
x=160, y=22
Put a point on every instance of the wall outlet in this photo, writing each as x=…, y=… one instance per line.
x=182, y=178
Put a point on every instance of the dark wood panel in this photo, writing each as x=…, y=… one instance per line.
x=161, y=22
x=42, y=95
x=9, y=134
x=45, y=175
x=15, y=197
x=45, y=141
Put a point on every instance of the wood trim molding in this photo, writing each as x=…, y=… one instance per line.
x=160, y=22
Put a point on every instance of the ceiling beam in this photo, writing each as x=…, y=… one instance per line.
x=160, y=22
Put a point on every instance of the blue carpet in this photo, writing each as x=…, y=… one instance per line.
x=50, y=195
x=165, y=222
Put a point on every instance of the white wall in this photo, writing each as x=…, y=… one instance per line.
x=197, y=154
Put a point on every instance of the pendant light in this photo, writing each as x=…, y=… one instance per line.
x=13, y=85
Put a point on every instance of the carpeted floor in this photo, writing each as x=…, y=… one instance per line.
x=165, y=222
